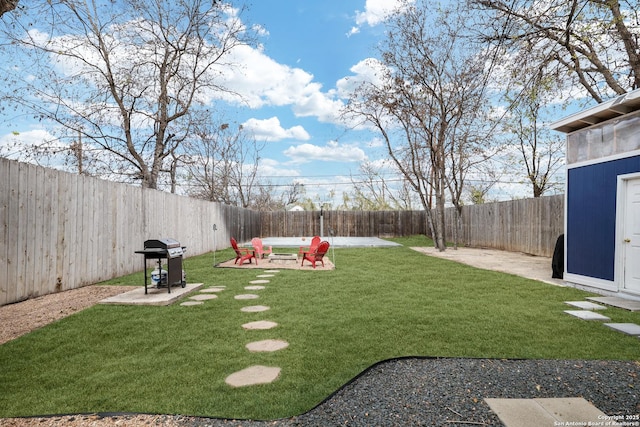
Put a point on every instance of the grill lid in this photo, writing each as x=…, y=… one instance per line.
x=161, y=243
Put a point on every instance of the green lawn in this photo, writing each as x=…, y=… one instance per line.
x=378, y=304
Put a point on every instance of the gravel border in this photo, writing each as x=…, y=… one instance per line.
x=439, y=392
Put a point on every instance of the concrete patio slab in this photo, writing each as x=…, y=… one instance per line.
x=627, y=328
x=548, y=412
x=531, y=267
x=266, y=346
x=155, y=296
x=585, y=305
x=253, y=375
x=617, y=302
x=587, y=315
x=254, y=309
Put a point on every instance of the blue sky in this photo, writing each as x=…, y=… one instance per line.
x=324, y=41
x=293, y=88
x=293, y=85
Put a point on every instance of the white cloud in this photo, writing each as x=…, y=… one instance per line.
x=15, y=145
x=332, y=152
x=367, y=70
x=376, y=12
x=272, y=130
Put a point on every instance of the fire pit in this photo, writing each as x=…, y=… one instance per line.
x=283, y=258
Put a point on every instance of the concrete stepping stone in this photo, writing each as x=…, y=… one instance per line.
x=264, y=276
x=587, y=315
x=253, y=375
x=272, y=271
x=627, y=328
x=212, y=290
x=258, y=282
x=254, y=309
x=266, y=346
x=260, y=325
x=254, y=288
x=246, y=296
x=190, y=303
x=203, y=297
x=617, y=302
x=586, y=305
x=563, y=411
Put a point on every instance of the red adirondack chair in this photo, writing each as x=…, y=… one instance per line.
x=305, y=249
x=317, y=255
x=256, y=242
x=243, y=254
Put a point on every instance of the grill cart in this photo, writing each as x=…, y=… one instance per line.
x=172, y=251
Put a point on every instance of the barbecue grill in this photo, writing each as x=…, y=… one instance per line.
x=168, y=249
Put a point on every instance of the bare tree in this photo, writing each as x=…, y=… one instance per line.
x=541, y=153
x=373, y=192
x=127, y=76
x=428, y=104
x=223, y=166
x=593, y=42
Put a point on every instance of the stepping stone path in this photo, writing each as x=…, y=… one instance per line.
x=260, y=325
x=585, y=305
x=587, y=314
x=204, y=295
x=246, y=296
x=266, y=345
x=627, y=328
x=257, y=374
x=190, y=303
x=212, y=290
x=253, y=375
x=254, y=309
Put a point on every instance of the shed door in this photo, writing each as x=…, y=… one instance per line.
x=632, y=236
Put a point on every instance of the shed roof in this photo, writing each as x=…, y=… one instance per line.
x=623, y=104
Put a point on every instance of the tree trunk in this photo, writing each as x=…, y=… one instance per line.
x=7, y=6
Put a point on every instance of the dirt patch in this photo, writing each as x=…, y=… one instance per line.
x=23, y=317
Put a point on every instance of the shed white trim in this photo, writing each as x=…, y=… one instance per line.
x=623, y=104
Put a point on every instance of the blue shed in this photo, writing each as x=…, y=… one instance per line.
x=602, y=197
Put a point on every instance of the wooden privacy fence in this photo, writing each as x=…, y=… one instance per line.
x=343, y=223
x=528, y=225
x=531, y=226
x=61, y=231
